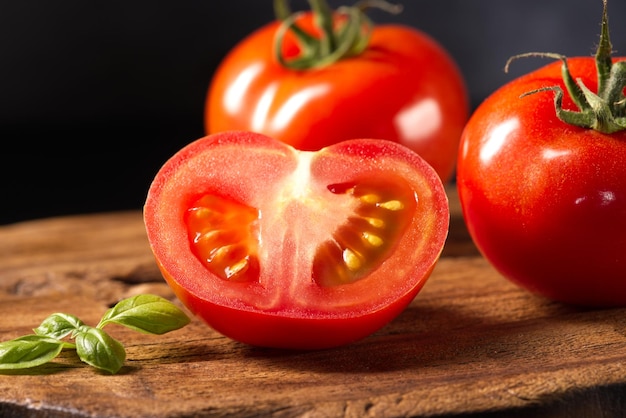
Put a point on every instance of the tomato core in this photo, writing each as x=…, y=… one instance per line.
x=225, y=235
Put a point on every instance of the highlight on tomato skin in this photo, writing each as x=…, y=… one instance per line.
x=272, y=246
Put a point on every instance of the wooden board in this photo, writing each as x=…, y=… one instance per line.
x=470, y=343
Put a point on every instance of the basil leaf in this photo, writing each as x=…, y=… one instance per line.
x=28, y=351
x=149, y=314
x=58, y=325
x=98, y=349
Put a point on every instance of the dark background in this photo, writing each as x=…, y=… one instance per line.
x=96, y=95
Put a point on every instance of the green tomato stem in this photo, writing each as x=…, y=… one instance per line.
x=604, y=111
x=335, y=41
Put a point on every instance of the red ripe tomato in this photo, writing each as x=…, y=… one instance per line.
x=283, y=248
x=545, y=200
x=403, y=87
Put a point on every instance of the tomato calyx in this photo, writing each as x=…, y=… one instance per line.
x=604, y=111
x=344, y=32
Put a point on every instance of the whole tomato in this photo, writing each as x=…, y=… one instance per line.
x=542, y=179
x=276, y=247
x=346, y=79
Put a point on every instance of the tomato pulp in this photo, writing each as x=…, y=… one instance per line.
x=404, y=87
x=544, y=200
x=276, y=247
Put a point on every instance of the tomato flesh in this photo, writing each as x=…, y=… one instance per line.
x=272, y=246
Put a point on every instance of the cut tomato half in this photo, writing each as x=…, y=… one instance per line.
x=276, y=247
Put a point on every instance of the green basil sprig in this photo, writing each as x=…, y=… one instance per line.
x=149, y=314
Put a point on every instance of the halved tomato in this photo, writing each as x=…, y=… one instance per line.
x=276, y=247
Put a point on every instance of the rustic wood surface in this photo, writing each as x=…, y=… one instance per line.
x=471, y=343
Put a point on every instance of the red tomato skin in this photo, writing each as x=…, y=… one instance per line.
x=545, y=201
x=335, y=316
x=405, y=88
x=290, y=332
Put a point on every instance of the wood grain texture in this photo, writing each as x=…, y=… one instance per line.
x=470, y=344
